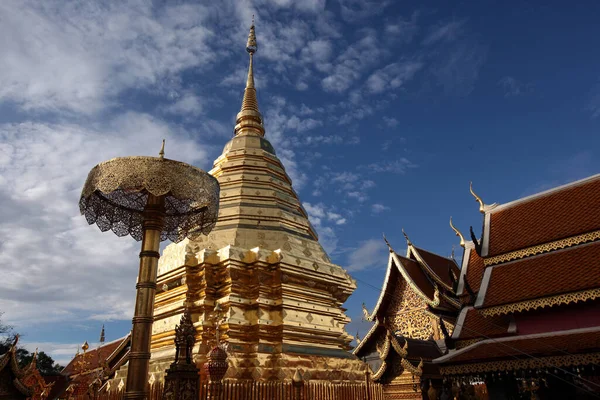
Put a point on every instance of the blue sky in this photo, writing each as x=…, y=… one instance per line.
x=382, y=112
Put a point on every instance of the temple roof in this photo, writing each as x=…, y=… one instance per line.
x=97, y=357
x=381, y=348
x=559, y=272
x=555, y=214
x=438, y=267
x=473, y=268
x=17, y=375
x=424, y=272
x=574, y=341
x=472, y=324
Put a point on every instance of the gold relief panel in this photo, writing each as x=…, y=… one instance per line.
x=415, y=325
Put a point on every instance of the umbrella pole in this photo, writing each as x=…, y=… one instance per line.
x=139, y=354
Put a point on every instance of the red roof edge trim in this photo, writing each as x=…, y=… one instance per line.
x=386, y=282
x=450, y=356
x=411, y=283
x=464, y=267
x=429, y=270
x=534, y=196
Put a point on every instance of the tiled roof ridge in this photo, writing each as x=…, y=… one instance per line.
x=432, y=302
x=483, y=300
x=548, y=192
x=383, y=291
x=543, y=248
x=427, y=269
x=542, y=335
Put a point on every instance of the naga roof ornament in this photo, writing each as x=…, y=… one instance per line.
x=406, y=237
x=388, y=243
x=457, y=232
x=477, y=199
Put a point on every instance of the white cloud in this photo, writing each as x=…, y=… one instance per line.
x=61, y=353
x=319, y=216
x=390, y=122
x=371, y=253
x=458, y=69
x=379, y=208
x=188, y=105
x=513, y=87
x=349, y=65
x=317, y=51
x=392, y=76
x=403, y=30
x=53, y=260
x=399, y=166
x=77, y=57
x=354, y=10
x=446, y=32
x=360, y=196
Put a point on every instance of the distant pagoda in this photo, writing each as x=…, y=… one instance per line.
x=281, y=295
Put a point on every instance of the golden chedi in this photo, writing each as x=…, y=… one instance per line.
x=281, y=295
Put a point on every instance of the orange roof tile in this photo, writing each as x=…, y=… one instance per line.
x=476, y=325
x=562, y=271
x=556, y=343
x=440, y=265
x=418, y=276
x=475, y=270
x=94, y=357
x=556, y=215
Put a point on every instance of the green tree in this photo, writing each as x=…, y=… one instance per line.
x=45, y=363
x=7, y=336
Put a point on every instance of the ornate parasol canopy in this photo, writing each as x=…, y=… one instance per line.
x=116, y=191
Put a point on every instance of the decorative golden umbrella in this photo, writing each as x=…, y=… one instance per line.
x=152, y=199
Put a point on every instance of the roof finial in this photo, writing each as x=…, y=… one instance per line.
x=249, y=119
x=406, y=237
x=102, y=333
x=462, y=239
x=477, y=198
x=161, y=154
x=388, y=244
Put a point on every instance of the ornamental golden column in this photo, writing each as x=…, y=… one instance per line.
x=151, y=199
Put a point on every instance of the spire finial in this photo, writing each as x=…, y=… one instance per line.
x=477, y=198
x=249, y=119
x=161, y=154
x=102, y=333
x=388, y=244
x=462, y=239
x=406, y=237
x=452, y=253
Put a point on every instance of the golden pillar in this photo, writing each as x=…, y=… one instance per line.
x=151, y=199
x=139, y=354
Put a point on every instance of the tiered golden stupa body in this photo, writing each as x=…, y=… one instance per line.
x=263, y=263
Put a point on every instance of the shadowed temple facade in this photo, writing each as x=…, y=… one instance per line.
x=281, y=295
x=416, y=310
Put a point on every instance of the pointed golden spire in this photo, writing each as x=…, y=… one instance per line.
x=462, y=239
x=249, y=119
